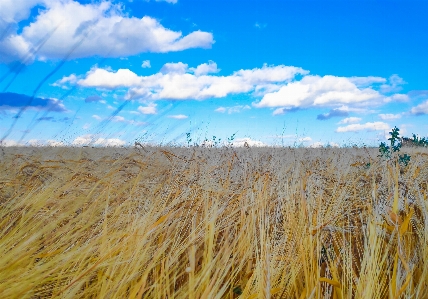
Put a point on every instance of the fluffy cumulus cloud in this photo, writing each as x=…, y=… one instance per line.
x=69, y=28
x=103, y=78
x=150, y=109
x=420, y=109
x=205, y=68
x=12, y=46
x=14, y=11
x=285, y=88
x=174, y=68
x=317, y=91
x=179, y=82
x=370, y=126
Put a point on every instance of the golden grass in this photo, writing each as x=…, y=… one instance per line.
x=212, y=223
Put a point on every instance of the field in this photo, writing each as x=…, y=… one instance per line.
x=212, y=223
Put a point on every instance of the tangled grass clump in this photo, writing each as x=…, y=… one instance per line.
x=212, y=223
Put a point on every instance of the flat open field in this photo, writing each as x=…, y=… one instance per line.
x=212, y=223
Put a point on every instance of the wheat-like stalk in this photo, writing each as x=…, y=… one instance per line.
x=212, y=223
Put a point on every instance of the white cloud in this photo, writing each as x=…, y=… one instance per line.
x=420, y=109
x=278, y=86
x=389, y=116
x=99, y=28
x=398, y=97
x=110, y=80
x=174, y=68
x=205, y=68
x=262, y=89
x=232, y=109
x=55, y=143
x=97, y=117
x=35, y=142
x=270, y=74
x=109, y=142
x=64, y=81
x=350, y=120
x=175, y=82
x=9, y=142
x=178, y=116
x=14, y=11
x=50, y=142
x=240, y=142
x=91, y=139
x=317, y=144
x=366, y=81
x=12, y=46
x=279, y=111
x=394, y=85
x=220, y=109
x=346, y=108
x=118, y=119
x=319, y=91
x=150, y=109
x=333, y=144
x=370, y=126
x=82, y=140
x=146, y=64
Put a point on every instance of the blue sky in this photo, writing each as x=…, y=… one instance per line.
x=270, y=72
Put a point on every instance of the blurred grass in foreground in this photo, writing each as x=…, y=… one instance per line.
x=212, y=223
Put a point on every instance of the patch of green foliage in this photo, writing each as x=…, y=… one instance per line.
x=390, y=152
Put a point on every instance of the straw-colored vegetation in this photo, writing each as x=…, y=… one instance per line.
x=212, y=223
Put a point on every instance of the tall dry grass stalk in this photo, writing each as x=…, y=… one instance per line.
x=212, y=223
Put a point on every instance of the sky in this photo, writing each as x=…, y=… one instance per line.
x=271, y=72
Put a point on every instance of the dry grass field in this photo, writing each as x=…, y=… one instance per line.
x=212, y=223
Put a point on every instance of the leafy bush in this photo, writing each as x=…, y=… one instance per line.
x=390, y=152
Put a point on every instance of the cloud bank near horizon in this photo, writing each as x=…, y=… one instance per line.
x=284, y=88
